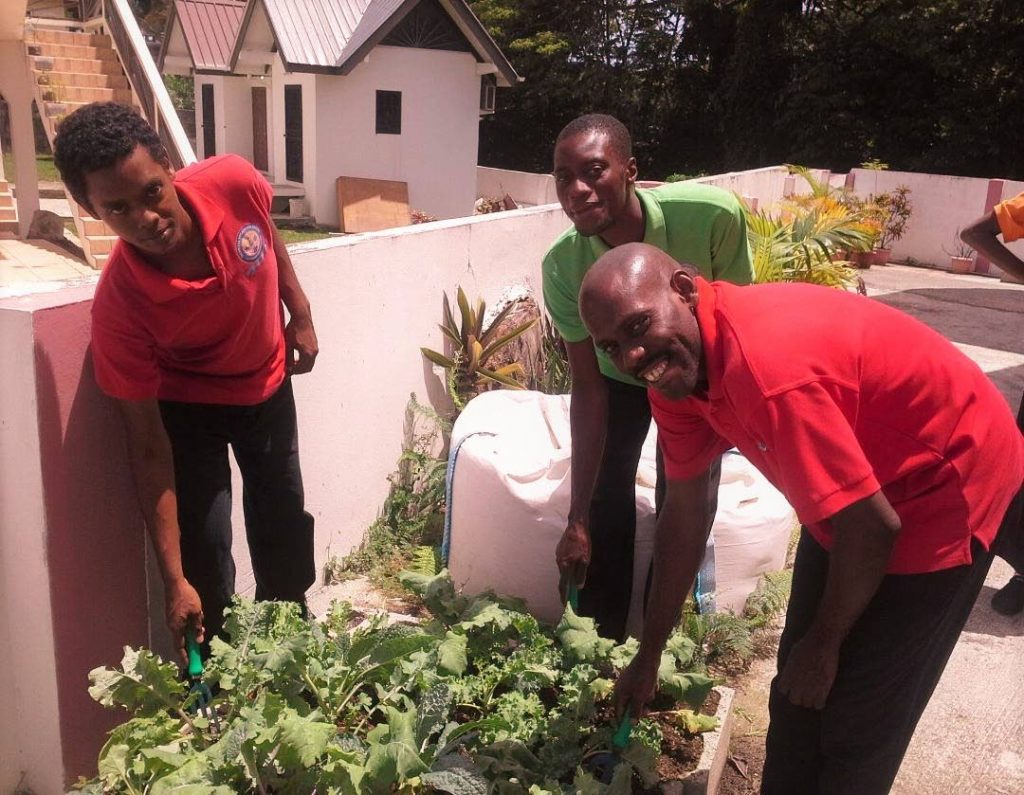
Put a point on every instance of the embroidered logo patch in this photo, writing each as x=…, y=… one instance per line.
x=251, y=247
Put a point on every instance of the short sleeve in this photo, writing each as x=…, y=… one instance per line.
x=124, y=360
x=730, y=250
x=1010, y=216
x=688, y=443
x=808, y=436
x=562, y=300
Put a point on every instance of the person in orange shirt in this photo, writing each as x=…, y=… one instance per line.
x=1006, y=219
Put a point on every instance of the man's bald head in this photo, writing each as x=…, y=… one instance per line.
x=639, y=306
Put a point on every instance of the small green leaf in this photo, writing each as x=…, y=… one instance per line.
x=451, y=654
x=695, y=723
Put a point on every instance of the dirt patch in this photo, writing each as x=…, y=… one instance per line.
x=742, y=774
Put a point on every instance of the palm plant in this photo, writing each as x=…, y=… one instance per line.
x=473, y=346
x=801, y=244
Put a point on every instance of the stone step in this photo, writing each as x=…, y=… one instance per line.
x=9, y=227
x=6, y=199
x=5, y=186
x=58, y=110
x=46, y=63
x=8, y=214
x=99, y=260
x=81, y=94
x=82, y=79
x=73, y=51
x=95, y=228
x=67, y=37
x=101, y=244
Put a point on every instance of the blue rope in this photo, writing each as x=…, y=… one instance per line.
x=449, y=483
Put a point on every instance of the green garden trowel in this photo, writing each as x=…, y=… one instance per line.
x=601, y=764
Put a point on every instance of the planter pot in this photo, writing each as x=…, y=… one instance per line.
x=880, y=256
x=704, y=779
x=862, y=259
x=961, y=264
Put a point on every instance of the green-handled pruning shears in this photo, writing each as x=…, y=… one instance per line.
x=199, y=694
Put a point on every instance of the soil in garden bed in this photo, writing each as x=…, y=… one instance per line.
x=680, y=751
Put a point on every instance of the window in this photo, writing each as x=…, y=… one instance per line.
x=488, y=93
x=389, y=113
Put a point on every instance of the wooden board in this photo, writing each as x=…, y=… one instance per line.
x=366, y=205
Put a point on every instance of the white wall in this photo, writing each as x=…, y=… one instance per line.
x=941, y=205
x=437, y=151
x=30, y=740
x=526, y=188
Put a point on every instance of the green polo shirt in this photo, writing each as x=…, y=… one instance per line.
x=700, y=225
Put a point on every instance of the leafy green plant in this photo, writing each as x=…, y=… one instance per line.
x=479, y=699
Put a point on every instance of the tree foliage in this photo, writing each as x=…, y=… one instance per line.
x=713, y=85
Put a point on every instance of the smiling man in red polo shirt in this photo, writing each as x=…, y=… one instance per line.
x=189, y=337
x=897, y=452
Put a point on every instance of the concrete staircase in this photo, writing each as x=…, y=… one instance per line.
x=71, y=70
x=8, y=210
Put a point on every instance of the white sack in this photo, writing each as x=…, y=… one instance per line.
x=510, y=500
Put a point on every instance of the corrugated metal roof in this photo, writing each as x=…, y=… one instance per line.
x=211, y=29
x=377, y=13
x=316, y=32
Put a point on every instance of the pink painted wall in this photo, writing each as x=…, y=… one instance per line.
x=95, y=535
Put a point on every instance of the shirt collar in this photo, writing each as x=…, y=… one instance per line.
x=154, y=283
x=711, y=349
x=654, y=226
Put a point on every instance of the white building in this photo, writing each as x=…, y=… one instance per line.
x=313, y=90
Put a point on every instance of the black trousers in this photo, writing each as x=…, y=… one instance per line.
x=265, y=442
x=888, y=667
x=1010, y=543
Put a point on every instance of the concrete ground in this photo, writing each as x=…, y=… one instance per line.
x=971, y=737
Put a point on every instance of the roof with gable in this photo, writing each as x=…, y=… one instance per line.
x=328, y=36
x=211, y=29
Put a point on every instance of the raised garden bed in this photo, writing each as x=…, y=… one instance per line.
x=477, y=698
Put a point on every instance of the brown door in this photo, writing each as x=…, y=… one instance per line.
x=260, y=155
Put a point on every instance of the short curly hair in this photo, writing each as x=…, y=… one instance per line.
x=97, y=136
x=616, y=131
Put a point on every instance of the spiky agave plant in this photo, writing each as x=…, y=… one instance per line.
x=473, y=346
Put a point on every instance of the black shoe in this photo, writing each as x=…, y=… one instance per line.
x=1009, y=600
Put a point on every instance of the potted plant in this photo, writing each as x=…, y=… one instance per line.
x=893, y=212
x=961, y=255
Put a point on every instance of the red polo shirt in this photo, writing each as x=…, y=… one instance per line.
x=215, y=340
x=834, y=396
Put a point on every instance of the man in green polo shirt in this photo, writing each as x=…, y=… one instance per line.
x=595, y=178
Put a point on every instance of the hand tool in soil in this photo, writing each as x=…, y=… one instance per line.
x=199, y=694
x=601, y=764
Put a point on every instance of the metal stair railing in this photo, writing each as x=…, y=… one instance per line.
x=146, y=81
